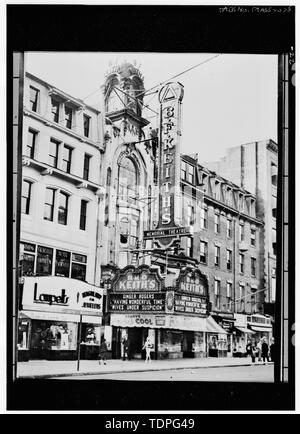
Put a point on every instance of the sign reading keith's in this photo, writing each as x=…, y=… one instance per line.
x=192, y=281
x=170, y=97
x=60, y=294
x=142, y=278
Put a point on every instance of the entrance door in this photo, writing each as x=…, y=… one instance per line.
x=116, y=342
x=188, y=340
x=137, y=337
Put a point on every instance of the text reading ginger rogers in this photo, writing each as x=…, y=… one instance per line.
x=157, y=423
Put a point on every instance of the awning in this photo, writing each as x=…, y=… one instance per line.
x=244, y=330
x=262, y=329
x=213, y=327
x=52, y=316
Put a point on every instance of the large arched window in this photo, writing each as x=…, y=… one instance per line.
x=128, y=181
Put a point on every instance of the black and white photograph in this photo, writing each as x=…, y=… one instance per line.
x=150, y=219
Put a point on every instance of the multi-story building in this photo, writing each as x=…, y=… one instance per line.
x=61, y=157
x=254, y=166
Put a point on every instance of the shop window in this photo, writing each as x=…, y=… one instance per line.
x=203, y=218
x=86, y=125
x=53, y=335
x=53, y=153
x=44, y=261
x=68, y=117
x=33, y=98
x=67, y=159
x=55, y=110
x=62, y=263
x=86, y=167
x=203, y=252
x=63, y=208
x=83, y=211
x=31, y=143
x=91, y=334
x=26, y=197
x=78, y=270
x=27, y=258
x=229, y=259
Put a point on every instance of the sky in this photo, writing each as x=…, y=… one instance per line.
x=228, y=101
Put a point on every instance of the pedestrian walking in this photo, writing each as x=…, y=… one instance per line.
x=128, y=349
x=124, y=348
x=272, y=350
x=259, y=349
x=103, y=352
x=265, y=350
x=147, y=346
x=253, y=352
x=249, y=349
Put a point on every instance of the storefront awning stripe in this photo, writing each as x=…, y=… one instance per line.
x=52, y=316
x=245, y=330
x=262, y=329
x=213, y=327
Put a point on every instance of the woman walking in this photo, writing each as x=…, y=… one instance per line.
x=103, y=352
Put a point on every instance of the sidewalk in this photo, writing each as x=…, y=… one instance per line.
x=50, y=369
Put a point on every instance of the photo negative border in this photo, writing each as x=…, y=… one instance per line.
x=203, y=29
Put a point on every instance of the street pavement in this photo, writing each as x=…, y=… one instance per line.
x=262, y=373
x=67, y=368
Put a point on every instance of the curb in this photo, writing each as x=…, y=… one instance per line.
x=81, y=374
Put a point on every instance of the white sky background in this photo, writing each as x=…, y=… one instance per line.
x=228, y=101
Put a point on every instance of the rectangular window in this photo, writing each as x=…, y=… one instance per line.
x=242, y=298
x=28, y=259
x=44, y=261
x=62, y=263
x=183, y=170
x=253, y=237
x=242, y=262
x=78, y=270
x=190, y=173
x=229, y=228
x=83, y=208
x=26, y=195
x=67, y=158
x=203, y=218
x=274, y=244
x=86, y=167
x=190, y=247
x=191, y=215
x=33, y=98
x=55, y=110
x=68, y=117
x=63, y=208
x=229, y=295
x=253, y=267
x=217, y=223
x=217, y=256
x=229, y=259
x=86, y=125
x=53, y=152
x=31, y=141
x=217, y=293
x=203, y=252
x=274, y=174
x=274, y=207
x=49, y=204
x=241, y=231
